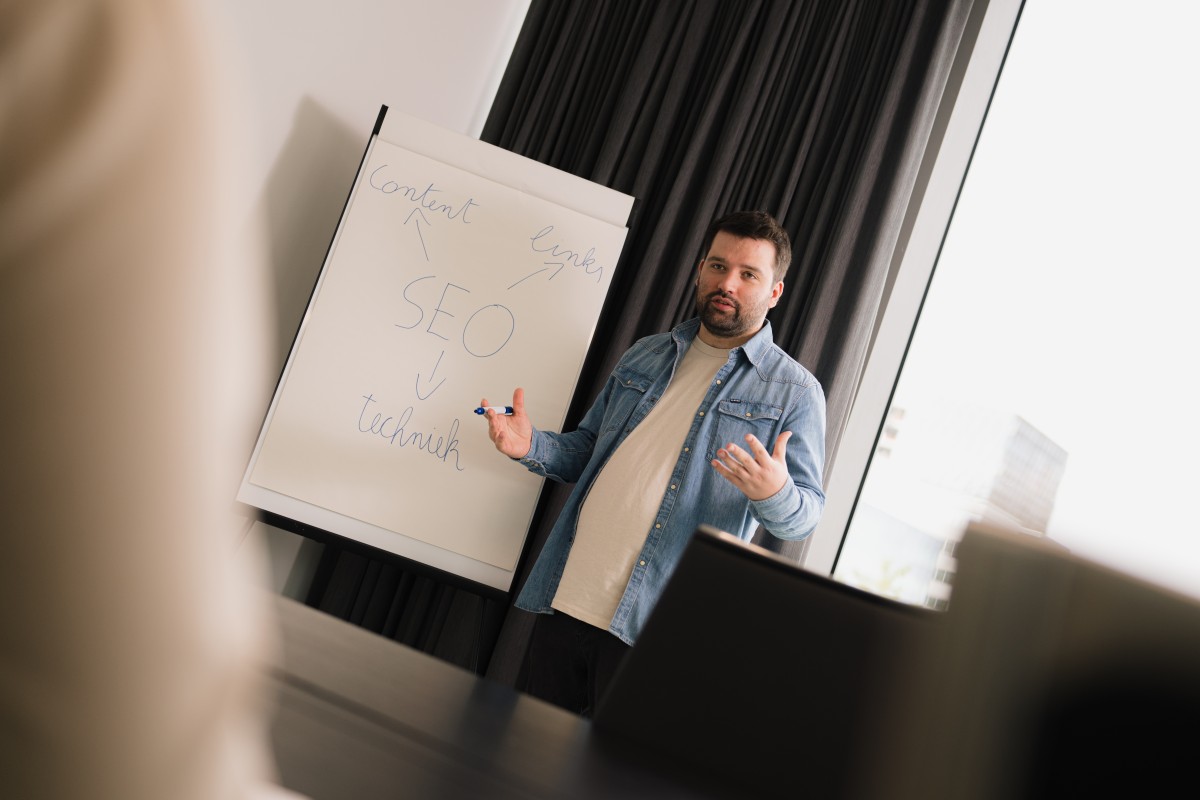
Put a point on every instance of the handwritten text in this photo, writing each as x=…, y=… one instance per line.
x=484, y=333
x=558, y=257
x=423, y=197
x=395, y=430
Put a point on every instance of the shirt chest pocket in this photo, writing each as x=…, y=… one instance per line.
x=736, y=418
x=629, y=387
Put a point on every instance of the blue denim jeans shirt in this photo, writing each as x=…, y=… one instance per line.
x=760, y=390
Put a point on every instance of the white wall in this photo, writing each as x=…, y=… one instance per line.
x=313, y=76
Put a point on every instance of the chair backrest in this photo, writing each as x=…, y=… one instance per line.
x=760, y=674
x=1050, y=676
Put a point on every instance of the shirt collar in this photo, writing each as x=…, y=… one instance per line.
x=755, y=348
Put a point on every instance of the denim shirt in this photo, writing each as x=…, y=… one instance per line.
x=759, y=390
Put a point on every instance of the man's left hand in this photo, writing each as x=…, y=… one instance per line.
x=757, y=473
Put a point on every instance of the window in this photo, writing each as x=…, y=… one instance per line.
x=1048, y=382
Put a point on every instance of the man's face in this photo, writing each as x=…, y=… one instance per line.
x=735, y=287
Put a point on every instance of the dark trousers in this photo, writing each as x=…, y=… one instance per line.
x=570, y=663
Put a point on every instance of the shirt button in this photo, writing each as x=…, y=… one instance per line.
x=702, y=413
x=673, y=486
x=657, y=525
x=718, y=383
x=641, y=563
x=747, y=413
x=687, y=449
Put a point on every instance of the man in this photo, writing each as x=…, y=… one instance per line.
x=679, y=436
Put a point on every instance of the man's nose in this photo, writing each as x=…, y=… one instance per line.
x=728, y=283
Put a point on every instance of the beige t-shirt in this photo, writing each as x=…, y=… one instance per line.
x=620, y=508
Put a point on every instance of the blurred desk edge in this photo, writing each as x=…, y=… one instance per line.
x=358, y=715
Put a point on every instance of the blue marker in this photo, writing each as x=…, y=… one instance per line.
x=506, y=410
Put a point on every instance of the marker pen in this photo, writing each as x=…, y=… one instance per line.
x=506, y=410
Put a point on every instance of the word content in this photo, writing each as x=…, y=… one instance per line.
x=427, y=197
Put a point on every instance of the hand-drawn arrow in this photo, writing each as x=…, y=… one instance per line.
x=431, y=374
x=559, y=264
x=417, y=224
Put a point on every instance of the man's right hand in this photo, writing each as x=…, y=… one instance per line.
x=512, y=434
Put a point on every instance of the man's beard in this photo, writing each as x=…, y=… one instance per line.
x=721, y=323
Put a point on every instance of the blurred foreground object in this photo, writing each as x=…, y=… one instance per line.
x=131, y=340
x=1051, y=676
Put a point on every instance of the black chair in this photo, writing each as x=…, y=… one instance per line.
x=765, y=678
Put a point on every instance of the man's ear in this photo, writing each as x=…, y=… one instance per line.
x=776, y=293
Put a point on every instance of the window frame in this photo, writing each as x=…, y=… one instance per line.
x=960, y=119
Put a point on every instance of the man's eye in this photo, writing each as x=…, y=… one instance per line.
x=750, y=276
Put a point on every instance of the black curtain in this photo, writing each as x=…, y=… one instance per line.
x=369, y=588
x=817, y=111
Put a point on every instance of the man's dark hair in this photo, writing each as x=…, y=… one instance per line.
x=754, y=225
